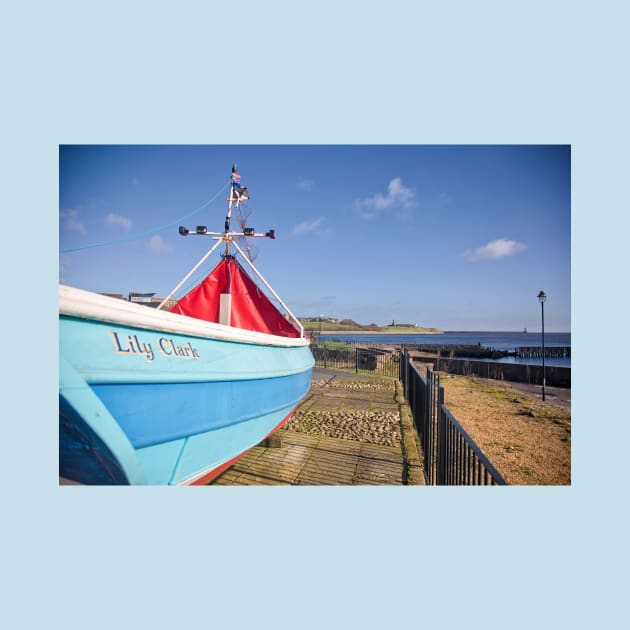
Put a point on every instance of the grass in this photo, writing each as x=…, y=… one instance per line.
x=527, y=440
x=329, y=326
x=475, y=387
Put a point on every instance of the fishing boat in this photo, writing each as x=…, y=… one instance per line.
x=156, y=397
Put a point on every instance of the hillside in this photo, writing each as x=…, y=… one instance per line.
x=348, y=325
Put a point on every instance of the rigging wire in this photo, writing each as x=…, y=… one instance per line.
x=244, y=212
x=133, y=237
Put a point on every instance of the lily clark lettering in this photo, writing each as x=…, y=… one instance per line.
x=166, y=346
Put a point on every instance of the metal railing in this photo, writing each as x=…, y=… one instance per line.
x=357, y=357
x=451, y=457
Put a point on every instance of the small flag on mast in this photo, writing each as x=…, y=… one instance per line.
x=239, y=193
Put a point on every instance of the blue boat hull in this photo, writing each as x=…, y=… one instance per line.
x=142, y=406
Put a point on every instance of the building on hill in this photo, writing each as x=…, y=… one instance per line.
x=395, y=323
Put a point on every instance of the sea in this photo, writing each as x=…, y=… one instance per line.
x=507, y=341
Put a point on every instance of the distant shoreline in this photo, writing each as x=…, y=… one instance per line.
x=378, y=332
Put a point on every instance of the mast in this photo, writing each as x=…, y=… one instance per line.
x=238, y=194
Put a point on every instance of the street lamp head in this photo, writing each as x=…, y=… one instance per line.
x=542, y=297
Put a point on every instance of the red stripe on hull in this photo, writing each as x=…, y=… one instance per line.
x=215, y=472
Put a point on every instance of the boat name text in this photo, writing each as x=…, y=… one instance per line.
x=167, y=347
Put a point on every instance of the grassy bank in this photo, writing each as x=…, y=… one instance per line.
x=327, y=327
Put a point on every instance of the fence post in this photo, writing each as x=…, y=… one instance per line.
x=426, y=407
x=401, y=358
x=415, y=388
x=403, y=372
x=441, y=438
x=407, y=378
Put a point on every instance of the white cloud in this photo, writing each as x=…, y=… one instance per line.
x=116, y=220
x=69, y=221
x=305, y=184
x=398, y=197
x=494, y=250
x=156, y=243
x=310, y=226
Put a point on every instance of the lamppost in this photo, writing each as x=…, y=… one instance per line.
x=542, y=297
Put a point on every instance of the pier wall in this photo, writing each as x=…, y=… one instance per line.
x=532, y=374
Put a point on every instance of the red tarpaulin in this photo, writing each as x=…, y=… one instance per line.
x=251, y=308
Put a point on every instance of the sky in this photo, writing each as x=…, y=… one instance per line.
x=445, y=236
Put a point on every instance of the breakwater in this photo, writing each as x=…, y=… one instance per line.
x=535, y=352
x=481, y=352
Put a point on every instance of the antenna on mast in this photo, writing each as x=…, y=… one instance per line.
x=238, y=194
x=233, y=178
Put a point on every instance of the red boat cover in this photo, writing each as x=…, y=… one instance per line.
x=251, y=308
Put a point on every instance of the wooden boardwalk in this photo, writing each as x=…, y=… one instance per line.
x=314, y=458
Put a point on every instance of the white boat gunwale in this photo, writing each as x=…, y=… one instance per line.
x=82, y=304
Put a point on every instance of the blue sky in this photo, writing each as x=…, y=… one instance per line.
x=455, y=237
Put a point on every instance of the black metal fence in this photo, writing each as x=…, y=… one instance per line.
x=358, y=357
x=451, y=457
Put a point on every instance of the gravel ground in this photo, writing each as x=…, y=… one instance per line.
x=373, y=425
x=357, y=386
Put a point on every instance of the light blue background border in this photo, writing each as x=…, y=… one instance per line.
x=395, y=72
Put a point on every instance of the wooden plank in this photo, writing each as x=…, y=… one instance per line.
x=257, y=480
x=379, y=472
